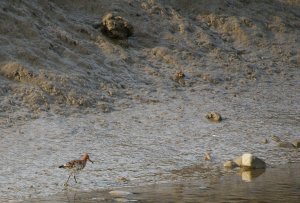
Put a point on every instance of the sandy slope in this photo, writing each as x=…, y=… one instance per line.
x=60, y=76
x=53, y=57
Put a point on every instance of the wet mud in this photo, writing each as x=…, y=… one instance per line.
x=145, y=144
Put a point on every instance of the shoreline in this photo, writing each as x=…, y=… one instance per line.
x=230, y=186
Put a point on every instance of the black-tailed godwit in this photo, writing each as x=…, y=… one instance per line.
x=76, y=166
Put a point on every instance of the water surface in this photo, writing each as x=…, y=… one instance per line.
x=280, y=184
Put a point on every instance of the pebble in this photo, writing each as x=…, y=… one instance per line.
x=122, y=179
x=230, y=164
x=238, y=161
x=275, y=138
x=214, y=116
x=285, y=145
x=296, y=143
x=207, y=156
x=265, y=141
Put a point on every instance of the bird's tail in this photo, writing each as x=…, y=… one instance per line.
x=62, y=166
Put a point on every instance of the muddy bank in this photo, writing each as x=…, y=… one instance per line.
x=54, y=56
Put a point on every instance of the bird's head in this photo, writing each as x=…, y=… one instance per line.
x=86, y=157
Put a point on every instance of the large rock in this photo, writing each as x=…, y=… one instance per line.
x=246, y=161
x=116, y=27
x=252, y=162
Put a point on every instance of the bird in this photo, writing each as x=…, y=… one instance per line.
x=75, y=166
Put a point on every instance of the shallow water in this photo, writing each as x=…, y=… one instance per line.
x=281, y=184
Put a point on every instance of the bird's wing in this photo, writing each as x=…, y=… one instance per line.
x=70, y=164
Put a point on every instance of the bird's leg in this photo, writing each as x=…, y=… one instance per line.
x=75, y=179
x=66, y=183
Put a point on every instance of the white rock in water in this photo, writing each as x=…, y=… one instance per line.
x=251, y=161
x=247, y=159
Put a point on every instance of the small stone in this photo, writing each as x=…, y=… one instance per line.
x=122, y=179
x=179, y=77
x=207, y=156
x=296, y=143
x=285, y=145
x=276, y=138
x=238, y=161
x=214, y=116
x=264, y=141
x=230, y=164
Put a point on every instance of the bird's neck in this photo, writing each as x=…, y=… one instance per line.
x=84, y=161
